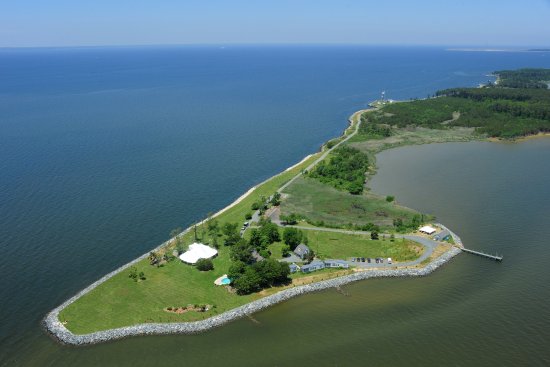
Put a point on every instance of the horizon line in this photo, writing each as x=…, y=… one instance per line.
x=464, y=47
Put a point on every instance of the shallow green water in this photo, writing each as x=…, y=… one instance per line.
x=471, y=312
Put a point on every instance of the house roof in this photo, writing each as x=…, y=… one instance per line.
x=197, y=251
x=312, y=264
x=257, y=256
x=336, y=261
x=427, y=229
x=301, y=249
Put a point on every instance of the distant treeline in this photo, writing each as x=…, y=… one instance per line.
x=524, y=78
x=496, y=111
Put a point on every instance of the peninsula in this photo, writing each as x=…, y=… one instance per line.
x=314, y=226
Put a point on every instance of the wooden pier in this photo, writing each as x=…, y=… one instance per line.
x=492, y=257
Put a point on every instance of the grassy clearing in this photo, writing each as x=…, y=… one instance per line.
x=343, y=246
x=413, y=136
x=334, y=245
x=320, y=202
x=121, y=302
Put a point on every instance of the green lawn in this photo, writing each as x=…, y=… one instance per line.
x=333, y=245
x=122, y=302
x=319, y=202
x=343, y=246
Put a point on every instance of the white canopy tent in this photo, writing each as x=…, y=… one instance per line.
x=428, y=230
x=197, y=251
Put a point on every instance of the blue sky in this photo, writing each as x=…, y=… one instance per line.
x=484, y=23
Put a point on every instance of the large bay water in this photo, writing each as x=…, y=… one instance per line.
x=104, y=150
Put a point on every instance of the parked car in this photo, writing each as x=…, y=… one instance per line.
x=362, y=259
x=389, y=260
x=368, y=259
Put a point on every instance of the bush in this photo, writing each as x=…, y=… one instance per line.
x=276, y=199
x=248, y=216
x=290, y=219
x=390, y=198
x=205, y=265
x=133, y=274
x=285, y=250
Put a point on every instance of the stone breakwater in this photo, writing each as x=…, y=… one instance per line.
x=59, y=331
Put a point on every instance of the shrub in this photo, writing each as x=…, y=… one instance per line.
x=374, y=235
x=205, y=265
x=133, y=274
x=248, y=216
x=390, y=198
x=285, y=250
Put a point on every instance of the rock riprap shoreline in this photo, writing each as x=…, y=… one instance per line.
x=60, y=332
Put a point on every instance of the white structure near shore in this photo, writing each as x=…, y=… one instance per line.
x=429, y=230
x=196, y=252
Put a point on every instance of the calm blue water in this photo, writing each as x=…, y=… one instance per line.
x=104, y=150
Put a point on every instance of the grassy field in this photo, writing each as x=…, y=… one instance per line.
x=334, y=245
x=413, y=136
x=320, y=202
x=329, y=245
x=121, y=302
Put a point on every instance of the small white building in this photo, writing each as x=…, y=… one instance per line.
x=197, y=251
x=429, y=230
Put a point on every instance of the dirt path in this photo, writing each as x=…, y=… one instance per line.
x=456, y=116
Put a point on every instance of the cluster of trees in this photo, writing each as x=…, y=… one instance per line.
x=371, y=128
x=290, y=219
x=293, y=237
x=232, y=234
x=345, y=170
x=524, y=78
x=263, y=203
x=402, y=226
x=247, y=279
x=260, y=238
